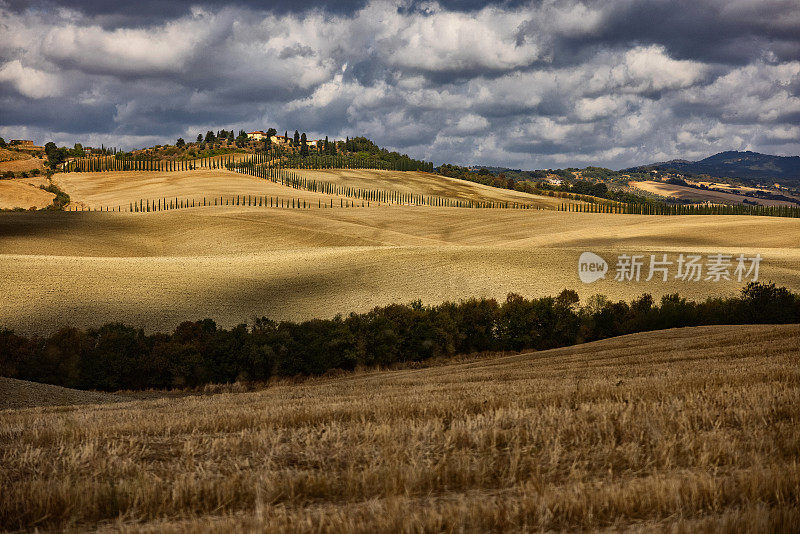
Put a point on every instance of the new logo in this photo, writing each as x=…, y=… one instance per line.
x=591, y=267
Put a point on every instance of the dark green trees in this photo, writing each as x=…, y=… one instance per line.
x=303, y=145
x=55, y=155
x=116, y=356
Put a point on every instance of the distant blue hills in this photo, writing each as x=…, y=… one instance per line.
x=732, y=164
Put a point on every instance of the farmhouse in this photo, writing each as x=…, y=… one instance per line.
x=281, y=139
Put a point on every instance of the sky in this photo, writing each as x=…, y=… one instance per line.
x=529, y=85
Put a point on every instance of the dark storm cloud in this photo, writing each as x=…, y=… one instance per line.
x=546, y=83
x=730, y=32
x=122, y=14
x=52, y=113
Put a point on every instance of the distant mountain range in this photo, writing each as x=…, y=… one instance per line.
x=733, y=164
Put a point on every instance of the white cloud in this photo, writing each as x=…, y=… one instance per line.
x=30, y=82
x=589, y=109
x=447, y=41
x=651, y=69
x=127, y=51
x=759, y=92
x=470, y=124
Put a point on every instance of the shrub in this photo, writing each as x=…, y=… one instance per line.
x=61, y=199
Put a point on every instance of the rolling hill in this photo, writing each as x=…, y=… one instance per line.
x=25, y=193
x=119, y=189
x=23, y=394
x=732, y=164
x=682, y=430
x=234, y=263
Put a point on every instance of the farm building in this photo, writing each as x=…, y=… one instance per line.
x=281, y=139
x=257, y=135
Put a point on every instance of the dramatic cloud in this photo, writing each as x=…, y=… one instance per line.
x=525, y=84
x=29, y=82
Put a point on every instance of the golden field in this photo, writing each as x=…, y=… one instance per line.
x=24, y=193
x=701, y=195
x=116, y=190
x=428, y=184
x=18, y=161
x=235, y=263
x=689, y=430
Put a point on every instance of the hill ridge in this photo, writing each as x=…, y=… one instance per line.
x=746, y=165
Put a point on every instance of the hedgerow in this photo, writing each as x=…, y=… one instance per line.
x=116, y=356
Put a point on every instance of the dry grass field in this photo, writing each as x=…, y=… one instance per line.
x=22, y=394
x=428, y=184
x=155, y=270
x=701, y=195
x=16, y=161
x=119, y=189
x=7, y=155
x=24, y=193
x=690, y=430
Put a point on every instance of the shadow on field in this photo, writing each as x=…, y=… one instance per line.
x=159, y=296
x=51, y=223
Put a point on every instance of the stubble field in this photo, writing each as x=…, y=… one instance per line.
x=690, y=430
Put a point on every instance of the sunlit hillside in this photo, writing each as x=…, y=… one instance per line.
x=234, y=263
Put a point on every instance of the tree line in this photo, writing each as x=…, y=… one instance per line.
x=139, y=162
x=355, y=153
x=271, y=167
x=605, y=200
x=116, y=356
x=694, y=209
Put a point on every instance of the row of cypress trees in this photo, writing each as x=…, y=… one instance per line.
x=295, y=180
x=670, y=209
x=313, y=161
x=164, y=204
x=127, y=163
